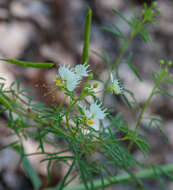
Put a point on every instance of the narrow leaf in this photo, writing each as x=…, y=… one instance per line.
x=83, y=177
x=164, y=92
x=8, y=145
x=35, y=180
x=111, y=31
x=119, y=31
x=169, y=81
x=6, y=103
x=122, y=16
x=62, y=185
x=127, y=102
x=104, y=57
x=133, y=68
x=135, y=71
x=31, y=173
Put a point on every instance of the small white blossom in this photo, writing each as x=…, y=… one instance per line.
x=67, y=78
x=64, y=72
x=70, y=78
x=96, y=111
x=115, y=86
x=94, y=114
x=81, y=70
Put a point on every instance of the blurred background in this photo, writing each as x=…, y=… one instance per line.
x=52, y=31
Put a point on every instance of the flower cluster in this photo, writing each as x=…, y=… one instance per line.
x=70, y=78
x=93, y=114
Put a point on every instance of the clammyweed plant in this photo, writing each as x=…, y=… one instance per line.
x=80, y=123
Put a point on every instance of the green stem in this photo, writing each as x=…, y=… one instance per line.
x=135, y=32
x=156, y=85
x=123, y=50
x=67, y=114
x=142, y=174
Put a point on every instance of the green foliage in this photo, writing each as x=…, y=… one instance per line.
x=78, y=126
x=28, y=167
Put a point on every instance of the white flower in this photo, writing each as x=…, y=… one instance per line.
x=96, y=111
x=115, y=86
x=94, y=114
x=64, y=72
x=70, y=78
x=81, y=70
x=67, y=78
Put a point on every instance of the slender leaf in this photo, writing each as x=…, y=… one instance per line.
x=35, y=180
x=102, y=179
x=127, y=101
x=62, y=185
x=107, y=29
x=164, y=92
x=169, y=81
x=163, y=133
x=133, y=68
x=120, y=33
x=82, y=172
x=8, y=145
x=31, y=173
x=158, y=172
x=104, y=57
x=122, y=16
x=6, y=103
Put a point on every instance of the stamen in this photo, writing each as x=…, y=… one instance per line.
x=58, y=82
x=90, y=122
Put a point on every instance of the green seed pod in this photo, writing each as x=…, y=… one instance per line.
x=28, y=64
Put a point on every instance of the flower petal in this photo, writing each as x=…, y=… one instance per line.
x=81, y=70
x=70, y=79
x=96, y=110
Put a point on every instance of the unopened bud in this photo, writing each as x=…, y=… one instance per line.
x=169, y=63
x=95, y=85
x=154, y=4
x=90, y=77
x=161, y=62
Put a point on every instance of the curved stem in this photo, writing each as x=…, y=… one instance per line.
x=156, y=85
x=142, y=174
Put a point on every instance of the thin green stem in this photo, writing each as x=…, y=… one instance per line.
x=67, y=113
x=62, y=102
x=123, y=50
x=156, y=85
x=142, y=174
